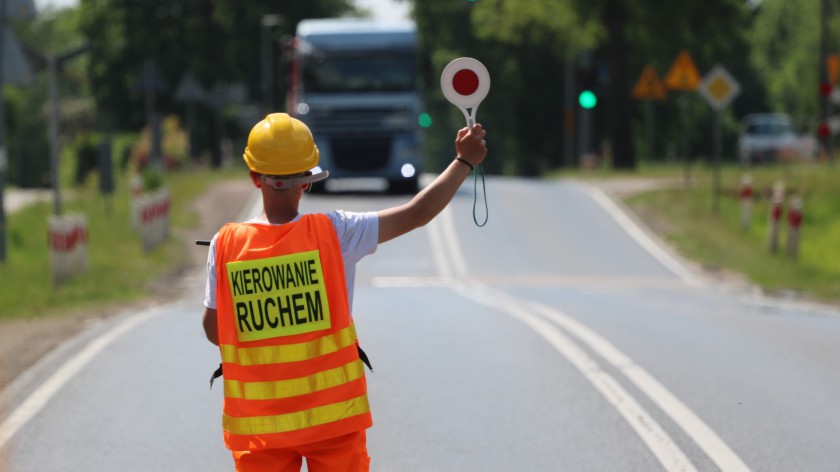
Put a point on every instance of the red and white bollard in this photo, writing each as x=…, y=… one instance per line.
x=745, y=194
x=68, y=245
x=794, y=223
x=153, y=214
x=777, y=200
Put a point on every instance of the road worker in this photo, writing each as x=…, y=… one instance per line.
x=278, y=304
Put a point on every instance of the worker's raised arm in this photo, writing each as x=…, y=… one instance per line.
x=471, y=150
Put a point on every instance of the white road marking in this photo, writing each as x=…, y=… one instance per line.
x=446, y=247
x=38, y=399
x=657, y=440
x=640, y=236
x=701, y=433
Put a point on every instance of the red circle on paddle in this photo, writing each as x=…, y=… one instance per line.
x=465, y=82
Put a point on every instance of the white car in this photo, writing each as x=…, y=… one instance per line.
x=768, y=138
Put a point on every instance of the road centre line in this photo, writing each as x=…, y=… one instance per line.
x=702, y=434
x=446, y=243
x=658, y=441
x=39, y=398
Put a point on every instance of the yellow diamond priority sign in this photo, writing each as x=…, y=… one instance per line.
x=719, y=88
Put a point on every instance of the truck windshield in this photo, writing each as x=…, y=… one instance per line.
x=359, y=73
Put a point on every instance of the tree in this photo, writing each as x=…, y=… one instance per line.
x=218, y=40
x=785, y=52
x=27, y=107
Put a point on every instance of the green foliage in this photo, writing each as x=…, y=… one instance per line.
x=785, y=53
x=119, y=269
x=717, y=241
x=527, y=44
x=218, y=40
x=525, y=24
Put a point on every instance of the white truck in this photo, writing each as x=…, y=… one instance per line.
x=355, y=83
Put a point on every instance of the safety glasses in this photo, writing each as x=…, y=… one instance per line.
x=285, y=182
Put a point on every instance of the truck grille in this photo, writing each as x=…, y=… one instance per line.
x=357, y=120
x=361, y=152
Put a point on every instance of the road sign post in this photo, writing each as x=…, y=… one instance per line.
x=719, y=88
x=648, y=88
x=683, y=77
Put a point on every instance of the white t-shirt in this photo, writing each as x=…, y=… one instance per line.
x=358, y=235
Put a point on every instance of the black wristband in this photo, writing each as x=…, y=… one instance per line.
x=465, y=162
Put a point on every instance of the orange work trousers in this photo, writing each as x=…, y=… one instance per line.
x=346, y=453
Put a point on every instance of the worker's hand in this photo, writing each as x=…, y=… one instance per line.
x=470, y=144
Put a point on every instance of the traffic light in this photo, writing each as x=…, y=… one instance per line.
x=587, y=99
x=424, y=120
x=592, y=78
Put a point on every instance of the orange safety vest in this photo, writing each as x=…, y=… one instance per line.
x=292, y=373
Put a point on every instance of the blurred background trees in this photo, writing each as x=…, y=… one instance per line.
x=530, y=47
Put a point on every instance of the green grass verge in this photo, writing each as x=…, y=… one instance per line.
x=688, y=220
x=119, y=269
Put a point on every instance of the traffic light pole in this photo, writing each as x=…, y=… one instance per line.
x=569, y=112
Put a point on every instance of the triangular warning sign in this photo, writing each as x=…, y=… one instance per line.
x=649, y=86
x=683, y=74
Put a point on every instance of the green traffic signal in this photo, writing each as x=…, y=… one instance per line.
x=424, y=120
x=587, y=99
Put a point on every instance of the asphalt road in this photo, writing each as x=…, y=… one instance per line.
x=557, y=337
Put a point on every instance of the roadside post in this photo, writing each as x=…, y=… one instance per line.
x=153, y=216
x=745, y=195
x=794, y=224
x=719, y=88
x=68, y=244
x=777, y=199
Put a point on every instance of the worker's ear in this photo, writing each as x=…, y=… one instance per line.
x=255, y=178
x=306, y=187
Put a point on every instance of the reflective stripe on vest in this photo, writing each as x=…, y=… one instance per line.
x=294, y=387
x=298, y=420
x=292, y=372
x=290, y=352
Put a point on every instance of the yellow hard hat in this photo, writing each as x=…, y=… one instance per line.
x=280, y=145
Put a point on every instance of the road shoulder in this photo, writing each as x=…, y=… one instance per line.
x=24, y=341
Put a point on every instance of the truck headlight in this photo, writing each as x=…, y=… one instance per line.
x=408, y=171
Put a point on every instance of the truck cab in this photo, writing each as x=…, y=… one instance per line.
x=355, y=83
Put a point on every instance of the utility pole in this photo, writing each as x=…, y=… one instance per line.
x=54, y=66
